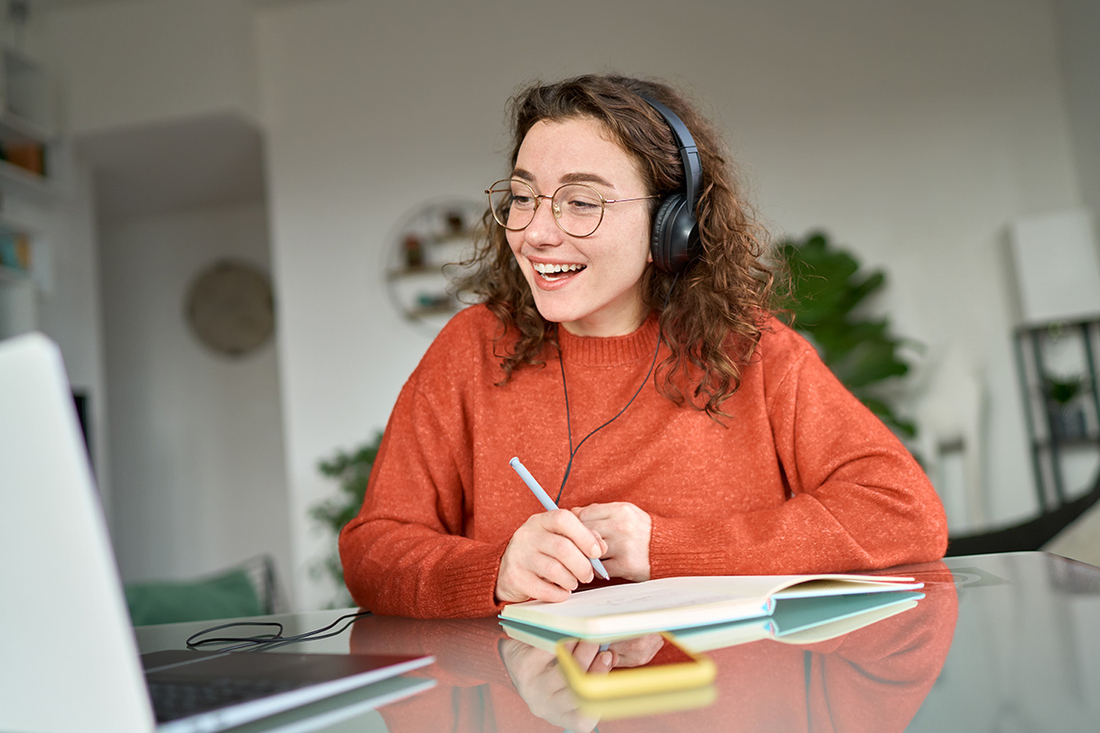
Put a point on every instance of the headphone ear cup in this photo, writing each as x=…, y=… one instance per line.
x=674, y=234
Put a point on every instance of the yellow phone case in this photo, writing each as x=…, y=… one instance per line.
x=654, y=703
x=627, y=681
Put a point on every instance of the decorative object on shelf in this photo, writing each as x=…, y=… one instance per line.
x=826, y=286
x=230, y=307
x=428, y=246
x=414, y=252
x=15, y=251
x=24, y=258
x=351, y=472
x=23, y=275
x=27, y=156
x=1067, y=411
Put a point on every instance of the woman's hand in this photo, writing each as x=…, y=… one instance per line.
x=547, y=558
x=636, y=651
x=543, y=687
x=626, y=530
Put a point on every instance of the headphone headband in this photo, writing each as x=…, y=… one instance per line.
x=689, y=154
x=675, y=237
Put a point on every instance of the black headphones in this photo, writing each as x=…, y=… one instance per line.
x=675, y=238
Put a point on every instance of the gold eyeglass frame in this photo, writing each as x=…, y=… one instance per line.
x=555, y=207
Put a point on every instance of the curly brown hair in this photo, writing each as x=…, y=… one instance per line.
x=715, y=315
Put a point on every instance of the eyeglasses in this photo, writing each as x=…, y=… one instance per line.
x=578, y=208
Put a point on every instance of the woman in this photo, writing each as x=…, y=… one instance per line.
x=681, y=428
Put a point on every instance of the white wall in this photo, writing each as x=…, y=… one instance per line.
x=915, y=134
x=70, y=309
x=130, y=63
x=912, y=132
x=1077, y=24
x=198, y=467
x=160, y=102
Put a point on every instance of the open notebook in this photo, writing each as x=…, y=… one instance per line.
x=670, y=604
x=69, y=658
x=804, y=620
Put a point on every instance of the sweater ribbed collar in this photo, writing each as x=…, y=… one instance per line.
x=611, y=351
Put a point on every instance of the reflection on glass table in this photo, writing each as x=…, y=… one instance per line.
x=872, y=678
x=998, y=643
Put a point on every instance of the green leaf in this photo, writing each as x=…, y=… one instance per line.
x=351, y=472
x=827, y=289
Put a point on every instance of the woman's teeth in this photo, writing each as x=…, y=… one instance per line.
x=555, y=272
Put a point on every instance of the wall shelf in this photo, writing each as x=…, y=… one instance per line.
x=421, y=261
x=28, y=180
x=16, y=129
x=14, y=179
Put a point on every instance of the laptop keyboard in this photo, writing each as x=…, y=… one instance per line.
x=179, y=699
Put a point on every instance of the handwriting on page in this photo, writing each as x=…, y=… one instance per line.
x=654, y=602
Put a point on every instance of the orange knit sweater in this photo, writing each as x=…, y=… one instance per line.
x=801, y=478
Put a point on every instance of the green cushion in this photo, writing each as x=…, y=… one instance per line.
x=227, y=595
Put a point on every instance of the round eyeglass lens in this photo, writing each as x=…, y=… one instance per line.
x=512, y=203
x=578, y=208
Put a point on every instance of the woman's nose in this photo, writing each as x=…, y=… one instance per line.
x=543, y=229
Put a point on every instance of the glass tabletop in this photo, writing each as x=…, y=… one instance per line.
x=998, y=643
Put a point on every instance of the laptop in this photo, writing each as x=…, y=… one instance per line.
x=68, y=657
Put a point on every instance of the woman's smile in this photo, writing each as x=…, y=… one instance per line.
x=555, y=273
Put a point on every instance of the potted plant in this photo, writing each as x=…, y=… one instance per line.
x=822, y=301
x=350, y=470
x=1062, y=393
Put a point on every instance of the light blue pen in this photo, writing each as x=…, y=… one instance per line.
x=548, y=504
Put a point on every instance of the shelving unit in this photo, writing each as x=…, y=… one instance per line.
x=28, y=181
x=1061, y=359
x=422, y=260
x=27, y=125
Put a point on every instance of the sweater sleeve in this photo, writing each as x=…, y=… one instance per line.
x=857, y=498
x=405, y=553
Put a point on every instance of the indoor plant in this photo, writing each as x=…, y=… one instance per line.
x=822, y=301
x=350, y=471
x=1067, y=420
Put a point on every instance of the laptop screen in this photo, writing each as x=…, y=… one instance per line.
x=68, y=631
x=68, y=637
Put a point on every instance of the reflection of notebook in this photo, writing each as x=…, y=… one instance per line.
x=69, y=658
x=794, y=621
x=804, y=620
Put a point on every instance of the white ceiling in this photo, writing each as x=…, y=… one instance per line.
x=175, y=166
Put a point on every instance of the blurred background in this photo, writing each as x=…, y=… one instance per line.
x=230, y=214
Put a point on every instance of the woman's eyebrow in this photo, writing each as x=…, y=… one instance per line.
x=567, y=178
x=586, y=178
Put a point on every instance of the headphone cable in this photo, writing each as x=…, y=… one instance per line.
x=263, y=642
x=568, y=423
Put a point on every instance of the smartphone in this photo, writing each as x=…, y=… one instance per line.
x=646, y=664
